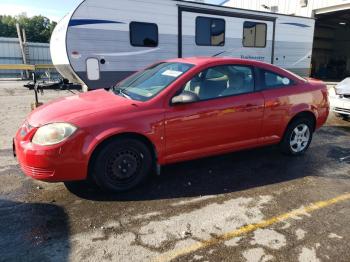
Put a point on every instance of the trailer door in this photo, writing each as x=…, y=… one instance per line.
x=205, y=33
x=93, y=69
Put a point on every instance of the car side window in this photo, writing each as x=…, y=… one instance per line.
x=222, y=81
x=272, y=80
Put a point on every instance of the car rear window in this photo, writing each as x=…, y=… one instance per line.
x=272, y=80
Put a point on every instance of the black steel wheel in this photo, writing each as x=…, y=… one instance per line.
x=122, y=164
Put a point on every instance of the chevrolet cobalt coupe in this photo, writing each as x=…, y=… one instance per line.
x=172, y=111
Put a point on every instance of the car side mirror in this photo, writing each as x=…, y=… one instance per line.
x=185, y=97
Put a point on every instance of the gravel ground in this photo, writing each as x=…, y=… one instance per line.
x=256, y=205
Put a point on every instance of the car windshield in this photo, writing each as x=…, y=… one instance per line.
x=146, y=84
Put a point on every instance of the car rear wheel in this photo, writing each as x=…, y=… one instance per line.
x=298, y=137
x=121, y=165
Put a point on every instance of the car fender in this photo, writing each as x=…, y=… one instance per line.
x=92, y=142
x=300, y=108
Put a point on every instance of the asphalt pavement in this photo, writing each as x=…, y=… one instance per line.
x=255, y=205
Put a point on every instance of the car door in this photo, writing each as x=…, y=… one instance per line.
x=280, y=93
x=227, y=116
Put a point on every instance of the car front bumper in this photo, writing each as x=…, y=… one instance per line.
x=59, y=163
x=340, y=104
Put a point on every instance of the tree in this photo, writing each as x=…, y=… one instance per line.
x=38, y=28
x=8, y=26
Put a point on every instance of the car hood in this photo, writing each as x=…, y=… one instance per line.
x=343, y=88
x=68, y=109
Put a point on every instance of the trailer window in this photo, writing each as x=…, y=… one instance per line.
x=254, y=34
x=143, y=34
x=210, y=31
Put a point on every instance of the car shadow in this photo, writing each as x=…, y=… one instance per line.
x=33, y=232
x=230, y=172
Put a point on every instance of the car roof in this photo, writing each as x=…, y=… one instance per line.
x=205, y=60
x=199, y=61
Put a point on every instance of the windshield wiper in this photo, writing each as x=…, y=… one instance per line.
x=125, y=95
x=121, y=91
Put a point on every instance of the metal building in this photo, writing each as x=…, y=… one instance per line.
x=306, y=8
x=10, y=53
x=331, y=48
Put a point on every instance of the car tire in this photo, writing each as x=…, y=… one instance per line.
x=297, y=137
x=121, y=165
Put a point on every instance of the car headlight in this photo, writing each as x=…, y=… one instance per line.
x=52, y=134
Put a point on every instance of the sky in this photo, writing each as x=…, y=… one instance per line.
x=53, y=9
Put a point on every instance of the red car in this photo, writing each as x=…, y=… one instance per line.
x=172, y=111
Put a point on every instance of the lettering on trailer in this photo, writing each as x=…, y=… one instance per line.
x=259, y=58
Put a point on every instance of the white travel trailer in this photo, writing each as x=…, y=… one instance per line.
x=103, y=41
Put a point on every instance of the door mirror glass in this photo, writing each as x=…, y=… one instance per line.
x=185, y=97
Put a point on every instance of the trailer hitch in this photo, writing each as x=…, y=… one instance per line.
x=36, y=91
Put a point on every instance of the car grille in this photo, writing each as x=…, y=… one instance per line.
x=35, y=171
x=338, y=109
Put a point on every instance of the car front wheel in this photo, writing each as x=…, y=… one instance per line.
x=121, y=165
x=298, y=137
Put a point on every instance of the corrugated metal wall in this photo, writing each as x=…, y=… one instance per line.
x=10, y=53
x=39, y=53
x=296, y=7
